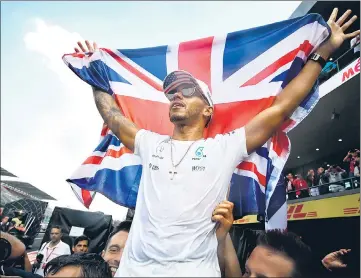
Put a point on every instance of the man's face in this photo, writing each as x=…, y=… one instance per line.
x=114, y=250
x=5, y=220
x=81, y=247
x=320, y=170
x=55, y=235
x=184, y=109
x=264, y=262
x=67, y=271
x=290, y=176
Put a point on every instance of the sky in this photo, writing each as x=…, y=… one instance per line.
x=49, y=122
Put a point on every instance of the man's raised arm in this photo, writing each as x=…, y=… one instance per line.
x=121, y=126
x=263, y=126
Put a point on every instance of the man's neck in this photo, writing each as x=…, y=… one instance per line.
x=52, y=243
x=187, y=133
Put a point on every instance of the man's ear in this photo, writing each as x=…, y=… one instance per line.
x=103, y=253
x=72, y=249
x=208, y=111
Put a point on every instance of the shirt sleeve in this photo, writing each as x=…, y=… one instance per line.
x=234, y=145
x=144, y=142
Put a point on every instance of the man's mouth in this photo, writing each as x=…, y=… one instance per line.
x=177, y=104
x=113, y=269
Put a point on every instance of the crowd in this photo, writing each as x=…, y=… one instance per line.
x=276, y=254
x=324, y=180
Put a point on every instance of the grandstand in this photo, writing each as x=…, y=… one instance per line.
x=13, y=189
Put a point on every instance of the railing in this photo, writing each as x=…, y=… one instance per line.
x=338, y=68
x=324, y=189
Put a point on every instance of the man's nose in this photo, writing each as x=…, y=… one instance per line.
x=178, y=95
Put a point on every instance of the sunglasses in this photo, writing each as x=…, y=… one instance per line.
x=186, y=92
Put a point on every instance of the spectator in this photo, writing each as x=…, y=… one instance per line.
x=312, y=182
x=115, y=245
x=356, y=42
x=351, y=157
x=356, y=171
x=289, y=187
x=81, y=244
x=279, y=254
x=322, y=179
x=51, y=250
x=335, y=177
x=301, y=187
x=327, y=69
x=4, y=224
x=78, y=265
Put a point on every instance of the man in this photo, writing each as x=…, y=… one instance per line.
x=81, y=244
x=301, y=187
x=115, y=245
x=78, y=265
x=4, y=224
x=289, y=187
x=184, y=176
x=51, y=249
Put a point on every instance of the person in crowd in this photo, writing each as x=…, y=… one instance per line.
x=4, y=224
x=327, y=70
x=312, y=182
x=78, y=265
x=291, y=194
x=356, y=171
x=351, y=158
x=334, y=260
x=50, y=250
x=301, y=187
x=355, y=42
x=335, y=174
x=115, y=245
x=322, y=179
x=81, y=244
x=167, y=236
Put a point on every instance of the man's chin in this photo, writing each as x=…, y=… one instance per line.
x=177, y=119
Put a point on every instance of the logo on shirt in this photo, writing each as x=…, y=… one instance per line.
x=198, y=168
x=158, y=152
x=153, y=167
x=199, y=154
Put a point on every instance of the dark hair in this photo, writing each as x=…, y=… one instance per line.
x=91, y=265
x=123, y=226
x=57, y=227
x=293, y=247
x=81, y=238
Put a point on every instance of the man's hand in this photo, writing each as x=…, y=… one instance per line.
x=91, y=48
x=334, y=259
x=223, y=214
x=338, y=36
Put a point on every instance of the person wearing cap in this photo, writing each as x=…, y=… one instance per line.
x=185, y=175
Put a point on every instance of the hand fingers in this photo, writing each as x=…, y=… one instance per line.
x=348, y=23
x=218, y=218
x=89, y=46
x=76, y=50
x=82, y=48
x=95, y=46
x=222, y=211
x=342, y=19
x=352, y=35
x=333, y=15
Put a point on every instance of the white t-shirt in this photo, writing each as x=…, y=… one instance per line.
x=50, y=253
x=172, y=232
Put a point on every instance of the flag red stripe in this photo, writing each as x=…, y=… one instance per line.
x=87, y=199
x=104, y=131
x=249, y=166
x=134, y=70
x=112, y=153
x=287, y=58
x=195, y=57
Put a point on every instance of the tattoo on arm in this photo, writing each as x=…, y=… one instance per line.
x=121, y=126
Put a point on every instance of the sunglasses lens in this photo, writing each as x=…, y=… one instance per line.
x=187, y=92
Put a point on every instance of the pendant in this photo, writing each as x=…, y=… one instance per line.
x=172, y=172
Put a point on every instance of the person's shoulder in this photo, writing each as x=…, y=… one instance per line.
x=63, y=244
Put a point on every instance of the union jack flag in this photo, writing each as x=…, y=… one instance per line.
x=245, y=70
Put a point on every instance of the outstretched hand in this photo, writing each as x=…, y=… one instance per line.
x=334, y=260
x=90, y=48
x=338, y=28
